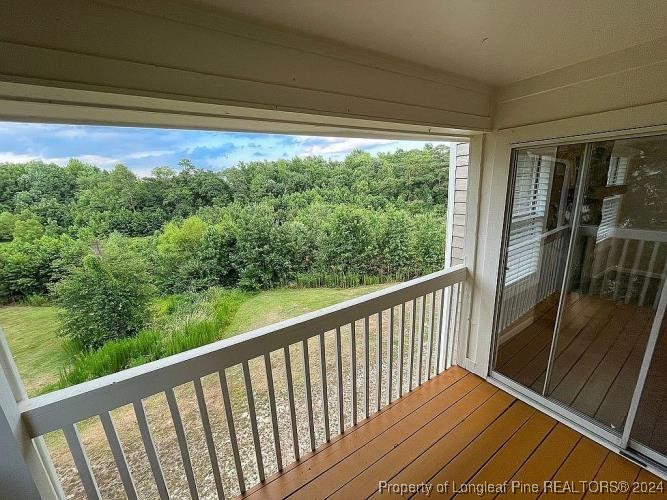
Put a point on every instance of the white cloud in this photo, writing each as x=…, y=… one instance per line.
x=9, y=157
x=104, y=162
x=336, y=145
x=140, y=155
x=97, y=160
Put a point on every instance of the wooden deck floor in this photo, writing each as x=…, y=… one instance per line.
x=456, y=428
x=598, y=355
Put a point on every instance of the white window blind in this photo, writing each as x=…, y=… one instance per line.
x=618, y=168
x=531, y=195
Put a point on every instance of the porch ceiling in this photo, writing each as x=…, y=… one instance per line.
x=493, y=42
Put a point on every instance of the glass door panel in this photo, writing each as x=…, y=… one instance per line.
x=537, y=232
x=650, y=425
x=616, y=269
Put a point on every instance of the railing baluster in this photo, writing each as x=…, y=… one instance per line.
x=274, y=412
x=611, y=257
x=253, y=420
x=451, y=336
x=187, y=369
x=412, y=344
x=633, y=271
x=390, y=351
x=118, y=456
x=290, y=397
x=647, y=278
x=81, y=461
x=367, y=365
x=441, y=317
x=339, y=372
x=619, y=268
x=353, y=360
x=231, y=429
x=379, y=362
x=210, y=444
x=153, y=460
x=421, y=340
x=325, y=390
x=430, y=337
x=400, y=351
x=309, y=392
x=182, y=442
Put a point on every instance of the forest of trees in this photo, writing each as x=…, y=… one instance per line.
x=305, y=221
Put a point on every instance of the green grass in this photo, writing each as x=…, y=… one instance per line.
x=277, y=305
x=183, y=322
x=38, y=352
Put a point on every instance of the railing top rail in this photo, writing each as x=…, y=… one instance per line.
x=53, y=411
x=627, y=234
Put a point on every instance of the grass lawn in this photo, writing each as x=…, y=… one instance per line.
x=38, y=352
x=277, y=305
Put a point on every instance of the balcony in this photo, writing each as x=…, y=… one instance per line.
x=339, y=402
x=556, y=205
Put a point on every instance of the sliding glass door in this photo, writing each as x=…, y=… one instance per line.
x=583, y=270
x=538, y=230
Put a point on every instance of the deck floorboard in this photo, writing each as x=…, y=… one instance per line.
x=455, y=429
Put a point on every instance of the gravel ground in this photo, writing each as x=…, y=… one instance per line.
x=164, y=435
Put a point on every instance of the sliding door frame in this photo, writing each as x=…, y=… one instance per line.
x=643, y=371
x=574, y=225
x=589, y=426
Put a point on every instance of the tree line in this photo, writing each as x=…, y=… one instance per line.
x=257, y=225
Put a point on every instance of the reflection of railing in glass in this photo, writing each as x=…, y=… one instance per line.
x=521, y=295
x=627, y=264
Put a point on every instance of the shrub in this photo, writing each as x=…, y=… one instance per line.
x=150, y=345
x=225, y=304
x=37, y=300
x=112, y=357
x=104, y=299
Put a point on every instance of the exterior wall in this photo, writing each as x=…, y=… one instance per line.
x=171, y=50
x=458, y=191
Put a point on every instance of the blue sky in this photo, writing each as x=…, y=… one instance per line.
x=142, y=149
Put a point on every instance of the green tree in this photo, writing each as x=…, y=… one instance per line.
x=263, y=249
x=104, y=299
x=27, y=230
x=30, y=266
x=348, y=243
x=7, y=221
x=177, y=250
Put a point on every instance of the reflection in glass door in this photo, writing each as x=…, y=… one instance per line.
x=616, y=271
x=537, y=235
x=583, y=268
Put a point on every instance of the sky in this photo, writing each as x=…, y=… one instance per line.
x=142, y=149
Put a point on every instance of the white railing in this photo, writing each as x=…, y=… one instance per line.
x=627, y=264
x=407, y=334
x=521, y=295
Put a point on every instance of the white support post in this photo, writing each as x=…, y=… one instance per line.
x=466, y=342
x=455, y=223
x=25, y=467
